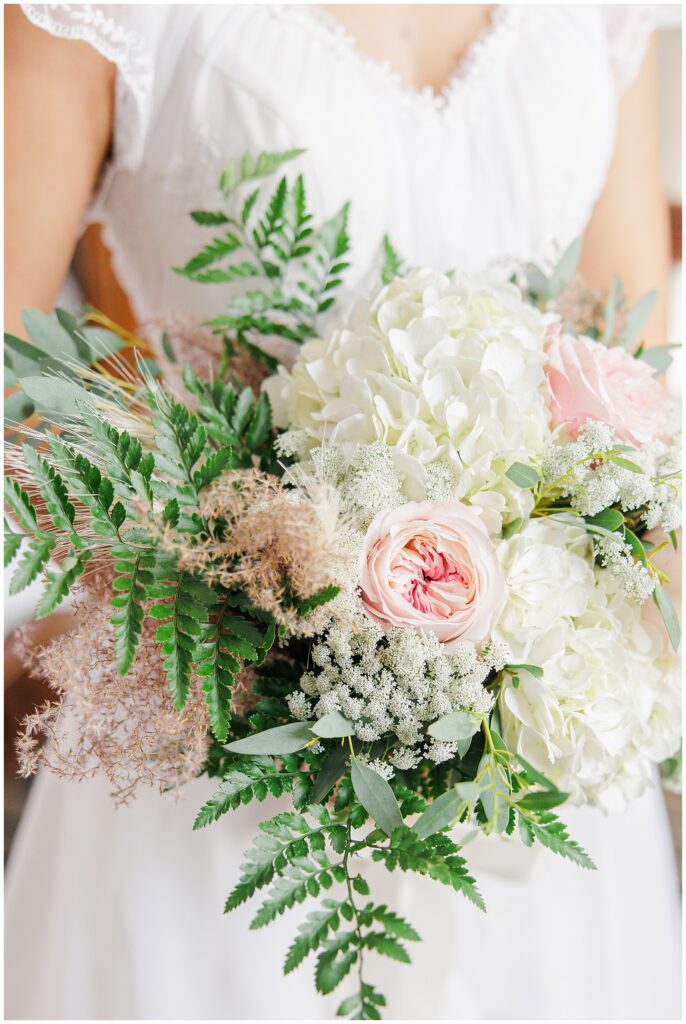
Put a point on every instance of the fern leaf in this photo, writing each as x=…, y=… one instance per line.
x=394, y=924
x=13, y=542
x=52, y=488
x=551, y=832
x=218, y=669
x=31, y=563
x=131, y=471
x=183, y=615
x=388, y=946
x=59, y=584
x=312, y=932
x=94, y=490
x=216, y=250
x=301, y=877
x=265, y=164
x=212, y=218
x=20, y=503
x=282, y=838
x=213, y=466
x=392, y=264
x=260, y=424
x=251, y=778
x=333, y=965
x=306, y=605
x=136, y=572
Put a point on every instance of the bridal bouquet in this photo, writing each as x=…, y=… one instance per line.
x=411, y=570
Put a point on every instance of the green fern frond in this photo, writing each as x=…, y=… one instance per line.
x=184, y=613
x=31, y=564
x=20, y=503
x=135, y=572
x=52, y=488
x=551, y=832
x=59, y=584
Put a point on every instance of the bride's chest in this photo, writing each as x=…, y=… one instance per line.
x=506, y=162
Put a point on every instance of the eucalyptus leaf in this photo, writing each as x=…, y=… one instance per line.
x=543, y=800
x=463, y=746
x=537, y=281
x=637, y=318
x=537, y=776
x=636, y=544
x=494, y=794
x=625, y=463
x=284, y=739
x=333, y=725
x=658, y=357
x=610, y=519
x=669, y=615
x=565, y=269
x=533, y=670
x=441, y=813
x=49, y=335
x=613, y=296
x=511, y=528
x=329, y=774
x=468, y=791
x=376, y=796
x=18, y=407
x=458, y=725
x=523, y=476
x=54, y=394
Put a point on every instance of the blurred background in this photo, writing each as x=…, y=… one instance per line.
x=92, y=279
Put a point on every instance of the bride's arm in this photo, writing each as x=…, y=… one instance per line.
x=629, y=231
x=59, y=101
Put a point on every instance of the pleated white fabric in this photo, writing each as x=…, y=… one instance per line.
x=117, y=913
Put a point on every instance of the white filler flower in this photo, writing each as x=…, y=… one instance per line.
x=443, y=370
x=608, y=703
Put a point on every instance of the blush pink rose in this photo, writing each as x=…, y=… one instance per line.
x=431, y=566
x=589, y=381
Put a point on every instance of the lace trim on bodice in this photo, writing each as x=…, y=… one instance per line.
x=488, y=50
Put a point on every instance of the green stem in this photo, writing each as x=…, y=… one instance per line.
x=351, y=901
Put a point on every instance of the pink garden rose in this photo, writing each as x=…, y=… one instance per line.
x=431, y=566
x=589, y=381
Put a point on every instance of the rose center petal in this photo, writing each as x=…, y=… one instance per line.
x=431, y=566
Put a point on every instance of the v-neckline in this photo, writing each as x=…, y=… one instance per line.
x=479, y=55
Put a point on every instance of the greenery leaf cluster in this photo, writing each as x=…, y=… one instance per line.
x=103, y=491
x=289, y=270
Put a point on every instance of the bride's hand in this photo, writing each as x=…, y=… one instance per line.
x=59, y=106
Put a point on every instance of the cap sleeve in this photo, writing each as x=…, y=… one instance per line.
x=628, y=29
x=127, y=36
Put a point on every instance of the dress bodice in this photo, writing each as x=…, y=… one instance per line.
x=504, y=165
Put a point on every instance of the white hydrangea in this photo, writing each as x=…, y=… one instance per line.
x=395, y=682
x=442, y=370
x=608, y=703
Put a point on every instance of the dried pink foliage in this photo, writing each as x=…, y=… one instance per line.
x=273, y=543
x=125, y=727
x=581, y=307
x=198, y=346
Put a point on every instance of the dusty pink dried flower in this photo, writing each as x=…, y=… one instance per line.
x=191, y=343
x=127, y=728
x=275, y=542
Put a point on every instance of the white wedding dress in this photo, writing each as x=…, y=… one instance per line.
x=118, y=913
